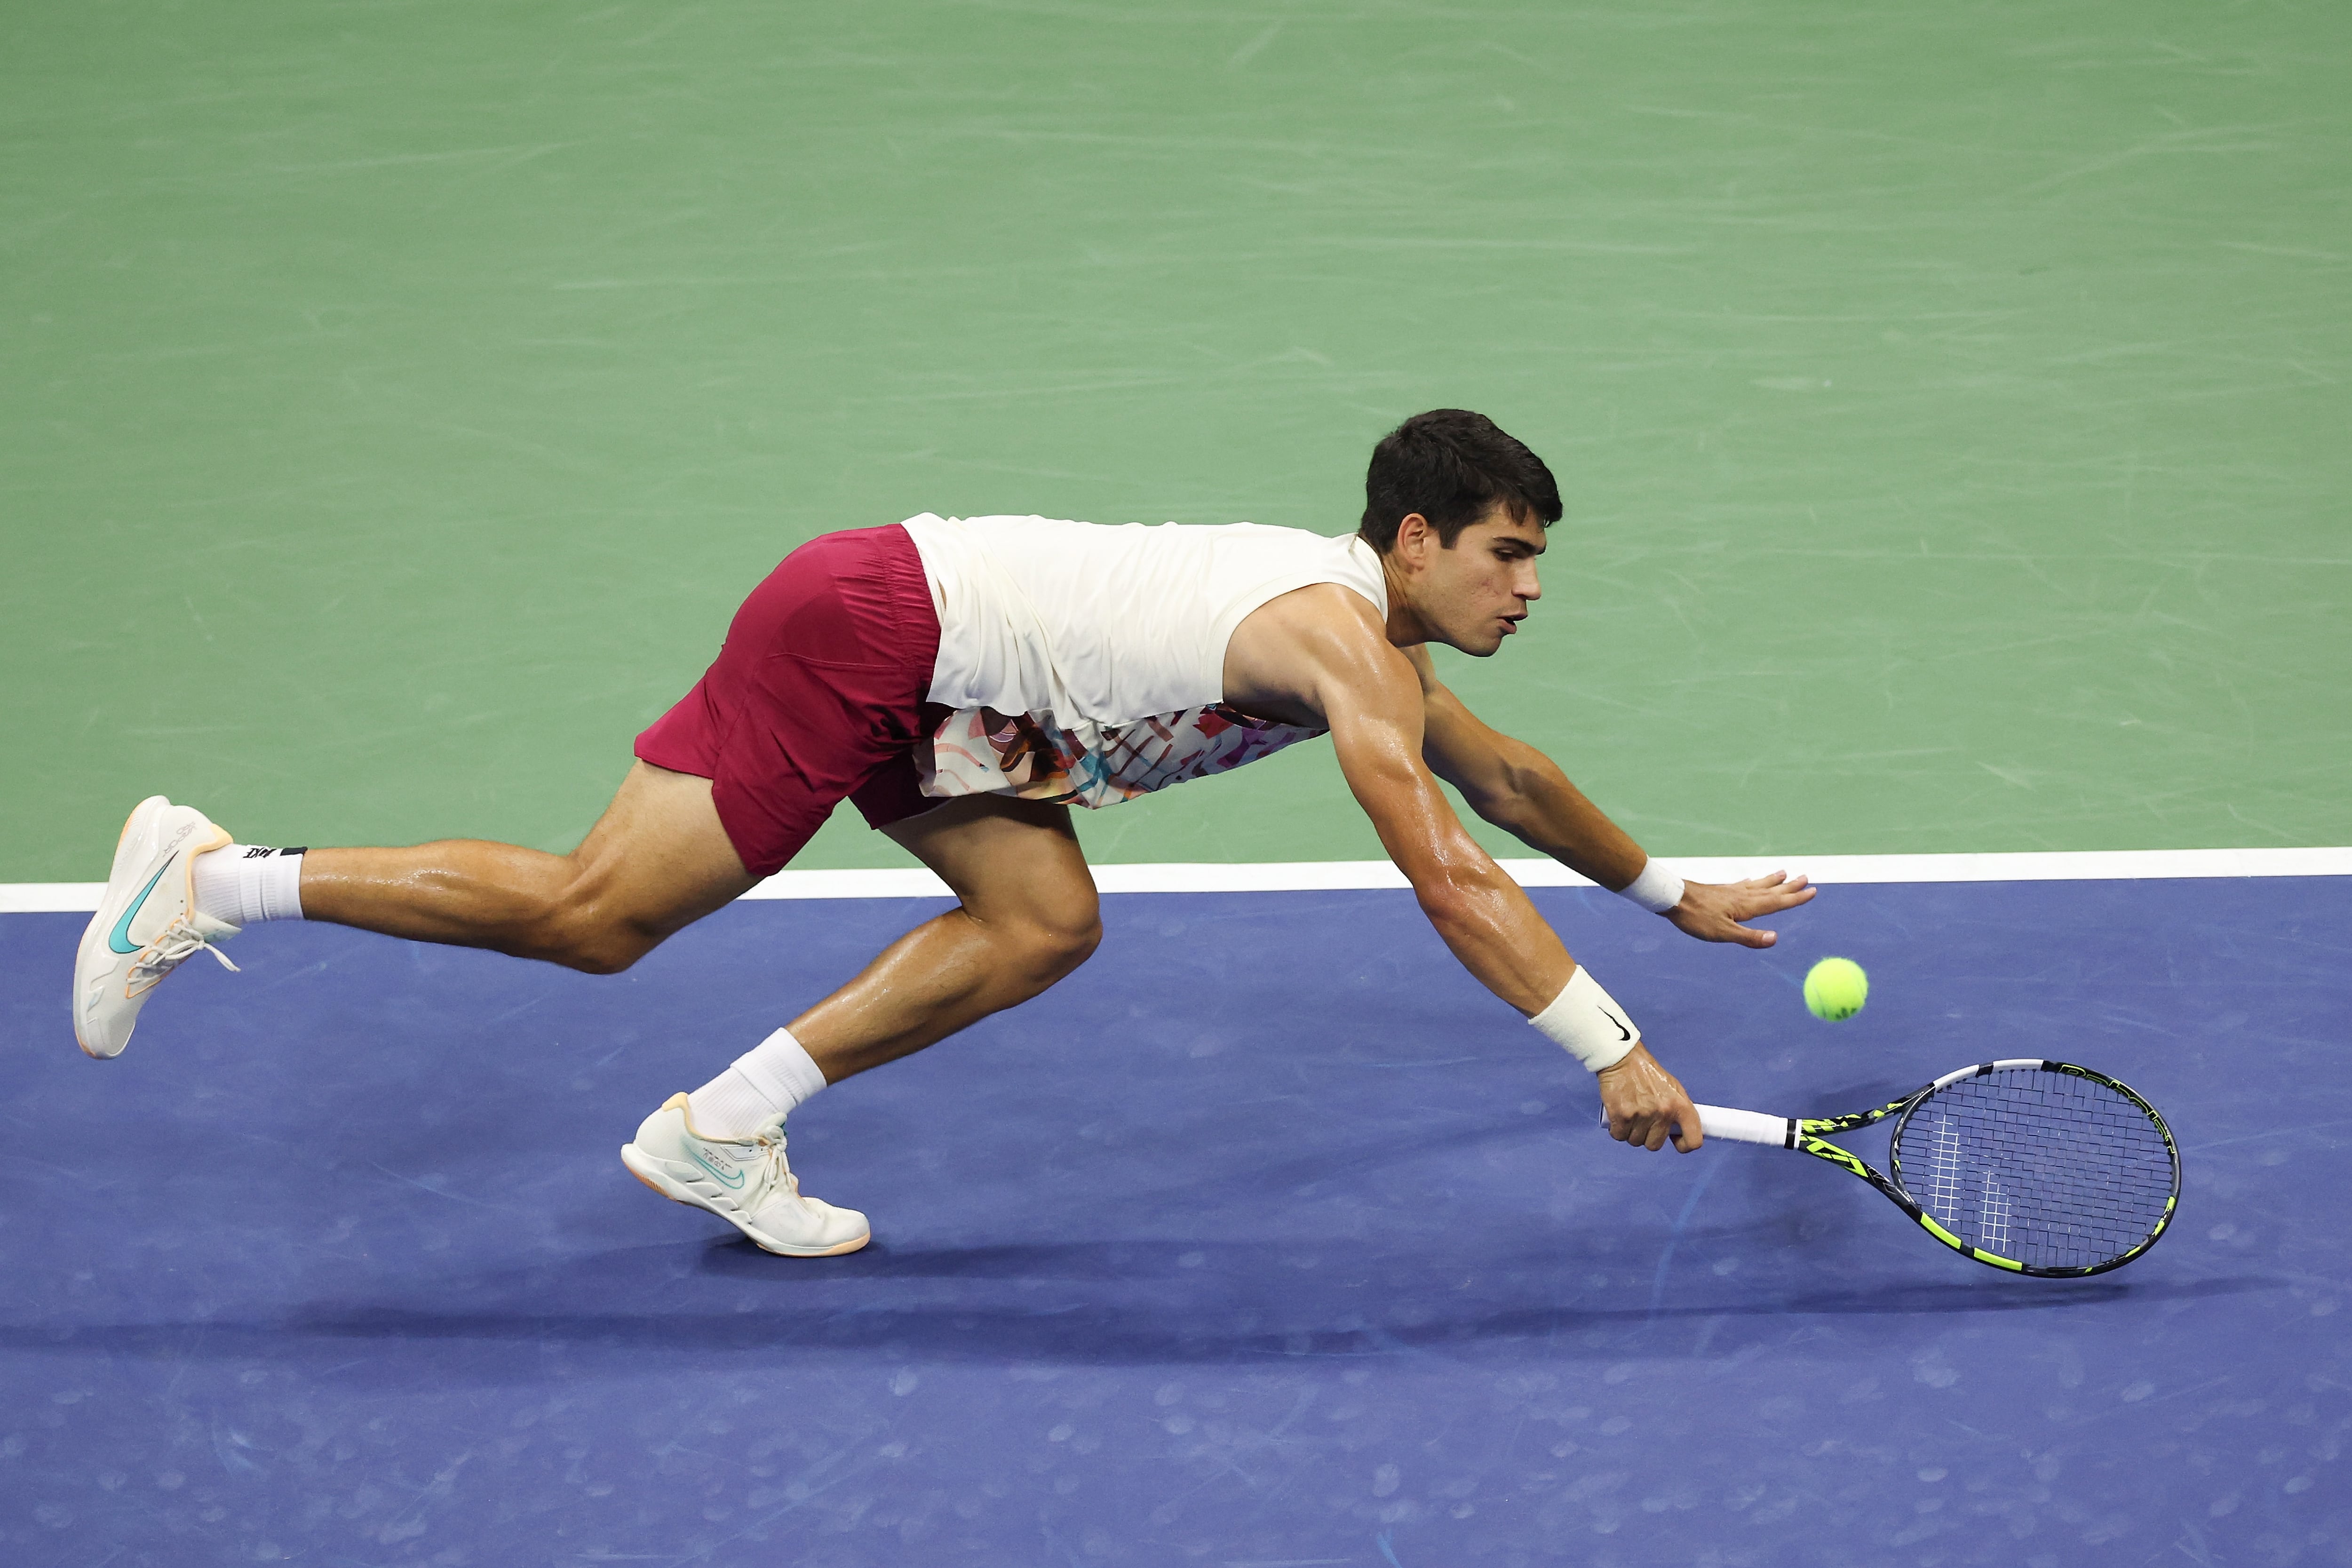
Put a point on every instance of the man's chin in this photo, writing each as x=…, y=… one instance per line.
x=1479, y=642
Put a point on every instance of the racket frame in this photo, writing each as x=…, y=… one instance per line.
x=1805, y=1134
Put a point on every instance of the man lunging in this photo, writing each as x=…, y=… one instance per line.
x=964, y=681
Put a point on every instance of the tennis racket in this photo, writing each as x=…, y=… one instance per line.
x=2037, y=1167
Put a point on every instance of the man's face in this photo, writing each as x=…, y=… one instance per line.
x=1476, y=594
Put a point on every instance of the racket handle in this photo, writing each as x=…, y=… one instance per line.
x=1743, y=1126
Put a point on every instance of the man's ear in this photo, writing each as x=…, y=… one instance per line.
x=1415, y=538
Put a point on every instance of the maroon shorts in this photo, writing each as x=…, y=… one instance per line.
x=816, y=698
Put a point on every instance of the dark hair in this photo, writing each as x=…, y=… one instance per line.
x=1451, y=465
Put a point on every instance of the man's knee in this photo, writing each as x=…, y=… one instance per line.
x=1049, y=945
x=589, y=935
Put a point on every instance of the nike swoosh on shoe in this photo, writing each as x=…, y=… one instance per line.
x=119, y=939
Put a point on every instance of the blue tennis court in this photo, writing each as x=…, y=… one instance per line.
x=1268, y=1238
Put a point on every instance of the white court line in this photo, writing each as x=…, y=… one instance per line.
x=1310, y=876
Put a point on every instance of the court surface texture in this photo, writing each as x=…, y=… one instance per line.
x=1949, y=402
x=1265, y=1239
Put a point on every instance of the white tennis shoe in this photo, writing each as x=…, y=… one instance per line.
x=744, y=1181
x=147, y=924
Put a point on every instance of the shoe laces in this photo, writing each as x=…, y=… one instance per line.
x=773, y=1164
x=179, y=942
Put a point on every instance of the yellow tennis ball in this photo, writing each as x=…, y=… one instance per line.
x=1836, y=989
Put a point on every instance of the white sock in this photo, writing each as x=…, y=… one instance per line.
x=767, y=1081
x=242, y=883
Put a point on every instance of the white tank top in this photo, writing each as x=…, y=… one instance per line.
x=1086, y=664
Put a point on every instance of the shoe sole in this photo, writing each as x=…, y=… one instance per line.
x=680, y=1194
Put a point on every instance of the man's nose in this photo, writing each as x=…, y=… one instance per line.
x=1529, y=589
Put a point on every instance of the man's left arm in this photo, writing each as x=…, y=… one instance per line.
x=1525, y=793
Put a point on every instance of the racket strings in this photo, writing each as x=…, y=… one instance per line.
x=2043, y=1168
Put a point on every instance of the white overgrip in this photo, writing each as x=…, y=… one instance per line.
x=1743, y=1126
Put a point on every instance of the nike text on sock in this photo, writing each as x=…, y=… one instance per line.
x=767, y=1081
x=242, y=883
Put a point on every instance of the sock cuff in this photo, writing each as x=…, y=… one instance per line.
x=242, y=883
x=781, y=1069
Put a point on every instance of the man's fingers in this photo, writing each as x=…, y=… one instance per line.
x=1773, y=900
x=1717, y=926
x=1655, y=1129
x=1729, y=929
x=1686, y=1120
x=1776, y=892
x=1646, y=1107
x=1720, y=912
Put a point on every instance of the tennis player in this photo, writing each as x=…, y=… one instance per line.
x=964, y=682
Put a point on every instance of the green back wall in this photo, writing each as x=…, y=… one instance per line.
x=1951, y=401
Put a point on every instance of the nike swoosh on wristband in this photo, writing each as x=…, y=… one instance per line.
x=119, y=939
x=730, y=1183
x=1623, y=1032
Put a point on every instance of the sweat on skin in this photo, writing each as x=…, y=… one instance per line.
x=1177, y=653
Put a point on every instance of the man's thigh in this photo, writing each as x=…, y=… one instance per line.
x=658, y=859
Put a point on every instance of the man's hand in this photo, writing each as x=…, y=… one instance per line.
x=1646, y=1104
x=1712, y=911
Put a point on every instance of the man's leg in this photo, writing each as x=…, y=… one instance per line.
x=1027, y=915
x=656, y=861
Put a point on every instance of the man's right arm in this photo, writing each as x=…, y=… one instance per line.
x=1370, y=696
x=1371, y=701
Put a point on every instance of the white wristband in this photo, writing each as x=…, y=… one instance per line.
x=1656, y=889
x=1587, y=1022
